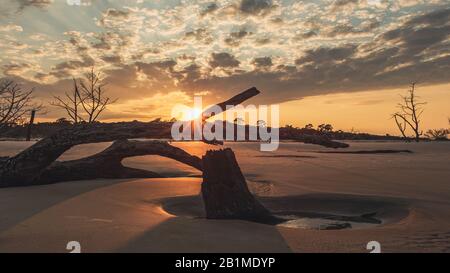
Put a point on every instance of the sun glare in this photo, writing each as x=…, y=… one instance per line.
x=192, y=113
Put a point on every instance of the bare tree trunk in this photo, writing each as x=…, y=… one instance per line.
x=401, y=127
x=30, y=125
x=225, y=192
x=409, y=114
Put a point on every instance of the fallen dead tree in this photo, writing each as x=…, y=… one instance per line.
x=238, y=99
x=224, y=188
x=26, y=168
x=108, y=163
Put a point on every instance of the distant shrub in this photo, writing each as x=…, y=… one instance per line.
x=438, y=134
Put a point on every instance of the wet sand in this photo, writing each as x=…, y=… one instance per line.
x=408, y=192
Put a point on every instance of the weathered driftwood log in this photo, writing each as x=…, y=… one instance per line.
x=108, y=163
x=238, y=99
x=225, y=192
x=321, y=140
x=24, y=168
x=27, y=167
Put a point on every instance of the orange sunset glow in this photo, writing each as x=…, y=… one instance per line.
x=224, y=135
x=321, y=63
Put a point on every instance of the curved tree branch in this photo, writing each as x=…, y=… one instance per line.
x=108, y=163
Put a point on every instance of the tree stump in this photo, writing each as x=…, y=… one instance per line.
x=225, y=192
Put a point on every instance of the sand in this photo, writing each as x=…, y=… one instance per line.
x=408, y=192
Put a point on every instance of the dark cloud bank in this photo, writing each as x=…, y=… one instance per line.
x=416, y=50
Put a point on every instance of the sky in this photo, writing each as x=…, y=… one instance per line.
x=343, y=62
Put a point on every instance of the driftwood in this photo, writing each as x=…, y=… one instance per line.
x=25, y=168
x=36, y=165
x=320, y=140
x=224, y=188
x=108, y=163
x=225, y=192
x=238, y=99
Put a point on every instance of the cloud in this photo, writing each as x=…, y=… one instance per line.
x=348, y=30
x=209, y=8
x=15, y=69
x=223, y=59
x=420, y=33
x=262, y=62
x=256, y=7
x=11, y=27
x=325, y=55
x=392, y=59
x=112, y=59
x=306, y=35
x=288, y=52
x=235, y=38
x=23, y=4
x=112, y=15
x=200, y=34
x=339, y=5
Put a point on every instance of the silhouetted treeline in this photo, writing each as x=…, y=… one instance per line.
x=287, y=132
x=39, y=130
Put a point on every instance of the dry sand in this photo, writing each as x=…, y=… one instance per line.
x=410, y=193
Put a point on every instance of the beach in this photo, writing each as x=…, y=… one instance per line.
x=401, y=200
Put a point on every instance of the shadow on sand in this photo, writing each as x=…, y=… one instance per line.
x=182, y=234
x=17, y=204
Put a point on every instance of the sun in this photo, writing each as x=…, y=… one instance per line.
x=191, y=113
x=182, y=112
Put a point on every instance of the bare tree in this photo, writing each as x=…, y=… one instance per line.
x=409, y=114
x=92, y=92
x=87, y=100
x=15, y=102
x=401, y=124
x=70, y=103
